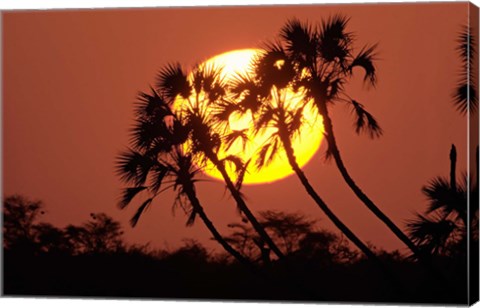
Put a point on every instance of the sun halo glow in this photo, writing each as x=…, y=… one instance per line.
x=305, y=144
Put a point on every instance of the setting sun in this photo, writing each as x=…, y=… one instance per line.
x=305, y=144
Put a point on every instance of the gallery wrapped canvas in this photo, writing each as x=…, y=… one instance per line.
x=298, y=153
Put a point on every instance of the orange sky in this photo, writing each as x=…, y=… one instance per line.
x=70, y=79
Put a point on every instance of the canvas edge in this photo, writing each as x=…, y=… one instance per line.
x=472, y=150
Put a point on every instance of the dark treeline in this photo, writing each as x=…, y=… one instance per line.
x=92, y=259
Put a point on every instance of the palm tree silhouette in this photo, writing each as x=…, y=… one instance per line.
x=465, y=95
x=321, y=61
x=197, y=98
x=157, y=163
x=448, y=221
x=273, y=109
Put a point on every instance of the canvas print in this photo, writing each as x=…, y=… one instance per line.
x=298, y=153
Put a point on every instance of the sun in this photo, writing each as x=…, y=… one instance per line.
x=305, y=144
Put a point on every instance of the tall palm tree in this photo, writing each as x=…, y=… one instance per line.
x=273, y=110
x=322, y=62
x=157, y=163
x=194, y=99
x=466, y=95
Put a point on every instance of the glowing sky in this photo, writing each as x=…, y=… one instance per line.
x=70, y=79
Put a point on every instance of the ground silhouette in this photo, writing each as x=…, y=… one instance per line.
x=39, y=264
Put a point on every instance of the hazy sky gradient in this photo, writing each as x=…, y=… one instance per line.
x=70, y=79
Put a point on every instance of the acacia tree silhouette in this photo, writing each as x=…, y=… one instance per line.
x=197, y=98
x=19, y=221
x=25, y=233
x=321, y=61
x=297, y=236
x=22, y=230
x=157, y=163
x=100, y=235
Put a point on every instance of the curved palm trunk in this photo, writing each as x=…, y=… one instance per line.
x=423, y=258
x=336, y=221
x=321, y=204
x=333, y=148
x=208, y=223
x=244, y=208
x=300, y=286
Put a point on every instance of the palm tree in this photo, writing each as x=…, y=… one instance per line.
x=157, y=163
x=273, y=78
x=466, y=95
x=321, y=62
x=194, y=99
x=448, y=221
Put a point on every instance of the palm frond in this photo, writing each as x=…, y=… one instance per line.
x=334, y=28
x=334, y=41
x=431, y=234
x=158, y=174
x=207, y=78
x=329, y=150
x=158, y=147
x=466, y=47
x=237, y=161
x=274, y=68
x=191, y=218
x=151, y=105
x=295, y=121
x=179, y=133
x=173, y=81
x=140, y=210
x=248, y=92
x=241, y=175
x=265, y=118
x=242, y=82
x=145, y=131
x=250, y=101
x=267, y=153
x=466, y=187
x=261, y=156
x=465, y=97
x=365, y=59
x=128, y=194
x=224, y=109
x=443, y=198
x=181, y=201
x=235, y=135
x=185, y=162
x=133, y=166
x=301, y=41
x=364, y=121
x=202, y=135
x=273, y=151
x=336, y=87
